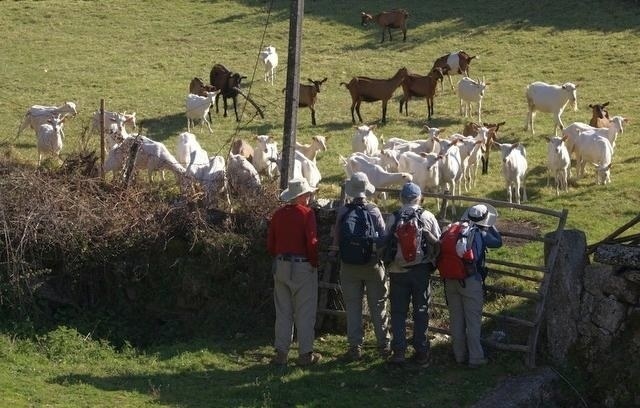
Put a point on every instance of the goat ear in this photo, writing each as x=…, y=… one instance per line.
x=604, y=105
x=325, y=80
x=591, y=106
x=310, y=80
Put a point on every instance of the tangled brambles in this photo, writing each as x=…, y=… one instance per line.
x=71, y=240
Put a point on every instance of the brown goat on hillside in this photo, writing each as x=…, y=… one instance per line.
x=453, y=63
x=372, y=90
x=600, y=117
x=396, y=18
x=420, y=86
x=471, y=129
x=228, y=83
x=308, y=95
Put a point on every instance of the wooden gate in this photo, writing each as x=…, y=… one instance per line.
x=505, y=278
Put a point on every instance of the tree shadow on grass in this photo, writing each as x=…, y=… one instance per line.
x=163, y=128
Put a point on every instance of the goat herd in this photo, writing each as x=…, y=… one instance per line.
x=434, y=163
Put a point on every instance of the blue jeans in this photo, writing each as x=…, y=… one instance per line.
x=411, y=286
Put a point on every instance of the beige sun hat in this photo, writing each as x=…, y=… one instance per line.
x=483, y=214
x=358, y=185
x=296, y=187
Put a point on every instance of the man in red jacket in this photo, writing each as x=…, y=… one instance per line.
x=292, y=240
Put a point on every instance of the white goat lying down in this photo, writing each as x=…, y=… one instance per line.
x=152, y=156
x=212, y=176
x=365, y=141
x=188, y=150
x=514, y=169
x=39, y=115
x=50, y=137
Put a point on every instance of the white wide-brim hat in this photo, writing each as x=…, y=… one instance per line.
x=296, y=187
x=482, y=214
x=358, y=185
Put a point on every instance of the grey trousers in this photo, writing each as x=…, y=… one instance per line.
x=465, y=315
x=295, y=294
x=354, y=279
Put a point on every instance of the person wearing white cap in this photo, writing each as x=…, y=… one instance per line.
x=292, y=240
x=409, y=282
x=465, y=298
x=369, y=276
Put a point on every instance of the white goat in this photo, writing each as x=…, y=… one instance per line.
x=470, y=91
x=189, y=151
x=152, y=156
x=243, y=176
x=548, y=98
x=198, y=107
x=50, y=137
x=514, y=169
x=39, y=115
x=594, y=148
x=269, y=58
x=318, y=144
x=212, y=176
x=378, y=176
x=616, y=126
x=265, y=156
x=113, y=118
x=425, y=169
x=307, y=168
x=558, y=162
x=365, y=141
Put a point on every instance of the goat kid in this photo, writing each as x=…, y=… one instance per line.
x=50, y=137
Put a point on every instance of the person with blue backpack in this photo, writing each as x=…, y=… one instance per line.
x=359, y=228
x=410, y=249
x=465, y=297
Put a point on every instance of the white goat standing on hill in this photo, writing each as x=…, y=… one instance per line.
x=514, y=169
x=470, y=91
x=39, y=115
x=548, y=98
x=269, y=58
x=50, y=137
x=558, y=162
x=197, y=108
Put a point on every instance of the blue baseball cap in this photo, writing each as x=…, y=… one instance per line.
x=410, y=191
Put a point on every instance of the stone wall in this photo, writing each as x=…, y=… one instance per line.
x=593, y=318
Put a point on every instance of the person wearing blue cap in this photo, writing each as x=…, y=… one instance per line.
x=409, y=272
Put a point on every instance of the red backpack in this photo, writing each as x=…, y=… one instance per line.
x=450, y=264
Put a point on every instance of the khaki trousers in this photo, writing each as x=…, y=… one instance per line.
x=295, y=294
x=465, y=315
x=354, y=279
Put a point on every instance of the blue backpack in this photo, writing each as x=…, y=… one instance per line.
x=357, y=233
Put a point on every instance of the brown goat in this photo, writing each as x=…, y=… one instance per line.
x=471, y=129
x=420, y=86
x=396, y=18
x=600, y=117
x=453, y=63
x=308, y=95
x=198, y=87
x=228, y=83
x=372, y=90
x=243, y=148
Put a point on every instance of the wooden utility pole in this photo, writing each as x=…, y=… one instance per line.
x=102, y=138
x=292, y=92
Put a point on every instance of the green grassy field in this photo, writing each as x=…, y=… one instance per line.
x=140, y=56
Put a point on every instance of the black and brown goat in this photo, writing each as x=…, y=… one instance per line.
x=471, y=129
x=229, y=84
x=372, y=90
x=420, y=86
x=453, y=63
x=600, y=117
x=396, y=18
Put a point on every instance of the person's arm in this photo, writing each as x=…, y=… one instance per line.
x=311, y=232
x=379, y=225
x=492, y=237
x=431, y=227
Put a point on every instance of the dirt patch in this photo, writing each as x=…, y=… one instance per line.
x=507, y=228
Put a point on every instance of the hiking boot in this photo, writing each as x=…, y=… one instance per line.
x=397, y=357
x=421, y=358
x=478, y=363
x=280, y=358
x=354, y=353
x=308, y=359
